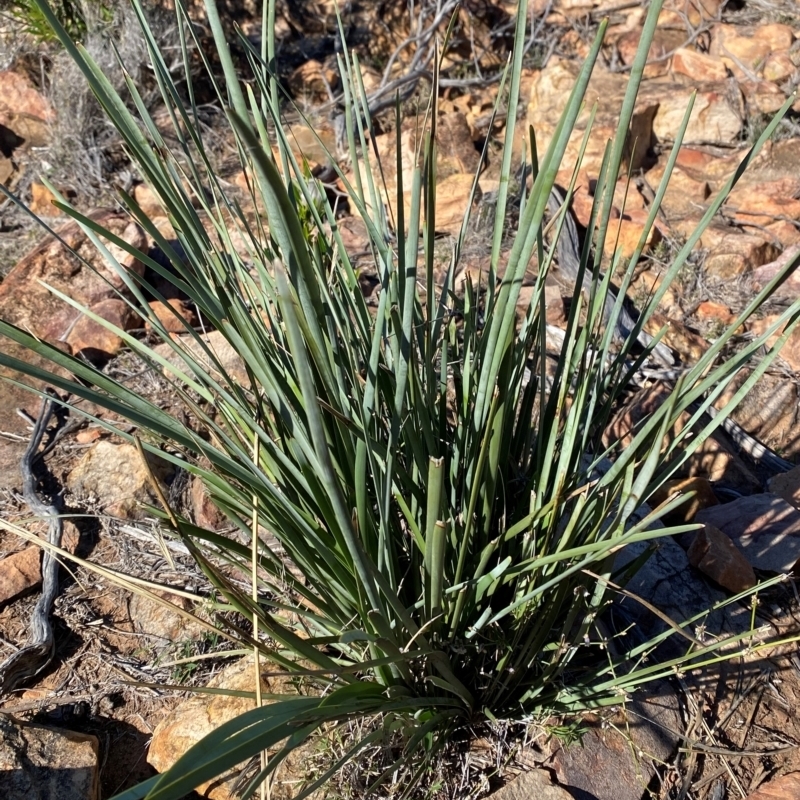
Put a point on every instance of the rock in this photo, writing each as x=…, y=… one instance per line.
x=21, y=572
x=184, y=310
x=680, y=13
x=667, y=581
x=777, y=36
x=768, y=411
x=23, y=109
x=743, y=55
x=704, y=497
x=697, y=66
x=96, y=342
x=762, y=96
x=716, y=115
x=685, y=194
x=206, y=514
x=313, y=82
x=151, y=618
x=787, y=486
x=310, y=145
x=778, y=67
x=730, y=252
x=452, y=200
x=226, y=356
x=763, y=526
x=762, y=275
x=715, y=312
x=200, y=715
x=548, y=90
x=29, y=305
x=114, y=476
x=787, y=787
x=456, y=153
x=148, y=200
x=608, y=765
x=665, y=40
x=715, y=555
x=41, y=763
x=533, y=785
x=42, y=201
x=625, y=233
x=712, y=460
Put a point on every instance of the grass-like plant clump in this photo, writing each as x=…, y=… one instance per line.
x=448, y=534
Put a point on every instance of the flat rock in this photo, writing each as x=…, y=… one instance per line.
x=763, y=526
x=41, y=763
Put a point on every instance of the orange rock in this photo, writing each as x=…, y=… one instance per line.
x=717, y=312
x=787, y=787
x=775, y=35
x=452, y=200
x=713, y=553
x=88, y=435
x=762, y=96
x=665, y=40
x=18, y=97
x=167, y=318
x=94, y=340
x=704, y=497
x=685, y=194
x=20, y=572
x=148, y=200
x=624, y=234
x=732, y=253
x=26, y=303
x=778, y=67
x=716, y=114
x=698, y=66
x=756, y=208
x=42, y=201
x=790, y=352
x=677, y=13
x=740, y=53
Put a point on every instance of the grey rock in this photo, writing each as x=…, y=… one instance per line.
x=615, y=759
x=764, y=527
x=533, y=785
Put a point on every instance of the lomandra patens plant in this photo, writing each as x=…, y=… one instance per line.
x=448, y=537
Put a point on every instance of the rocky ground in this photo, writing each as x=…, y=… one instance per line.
x=730, y=731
